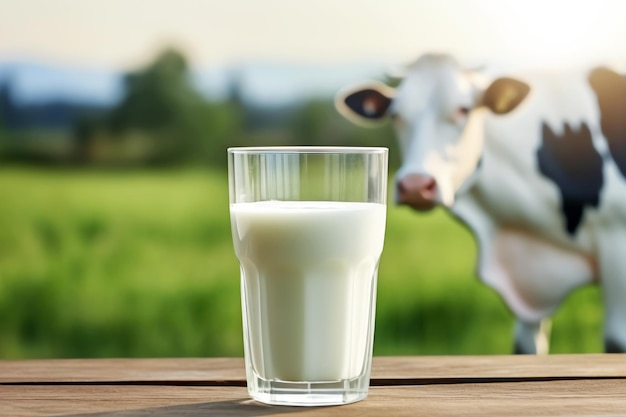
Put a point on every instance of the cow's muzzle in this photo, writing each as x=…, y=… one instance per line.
x=417, y=191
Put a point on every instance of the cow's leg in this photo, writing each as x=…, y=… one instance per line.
x=533, y=337
x=613, y=280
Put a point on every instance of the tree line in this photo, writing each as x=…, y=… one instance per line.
x=162, y=120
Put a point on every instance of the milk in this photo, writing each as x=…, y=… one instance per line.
x=309, y=283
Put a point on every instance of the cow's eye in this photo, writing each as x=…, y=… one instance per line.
x=464, y=111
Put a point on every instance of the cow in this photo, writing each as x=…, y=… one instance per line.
x=533, y=163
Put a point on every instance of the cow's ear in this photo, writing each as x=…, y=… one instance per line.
x=365, y=104
x=504, y=95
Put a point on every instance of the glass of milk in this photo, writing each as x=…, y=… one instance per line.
x=308, y=227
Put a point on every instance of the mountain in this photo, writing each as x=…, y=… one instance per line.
x=259, y=83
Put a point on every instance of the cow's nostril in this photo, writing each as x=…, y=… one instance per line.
x=430, y=185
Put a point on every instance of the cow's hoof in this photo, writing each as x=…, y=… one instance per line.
x=519, y=350
x=611, y=346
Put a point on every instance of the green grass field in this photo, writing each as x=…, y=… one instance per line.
x=141, y=264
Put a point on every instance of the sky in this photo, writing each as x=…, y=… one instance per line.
x=123, y=34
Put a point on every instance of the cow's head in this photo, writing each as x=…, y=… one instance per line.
x=438, y=112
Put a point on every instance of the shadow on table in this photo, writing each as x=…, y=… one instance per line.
x=242, y=407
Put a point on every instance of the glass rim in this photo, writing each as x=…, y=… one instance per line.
x=308, y=149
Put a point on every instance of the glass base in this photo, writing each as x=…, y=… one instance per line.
x=277, y=392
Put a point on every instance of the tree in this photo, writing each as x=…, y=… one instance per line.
x=161, y=101
x=6, y=109
x=310, y=124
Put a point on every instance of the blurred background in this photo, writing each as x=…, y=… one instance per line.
x=114, y=122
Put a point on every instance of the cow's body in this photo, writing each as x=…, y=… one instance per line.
x=534, y=170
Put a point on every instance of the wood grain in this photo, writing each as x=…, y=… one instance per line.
x=572, y=398
x=385, y=370
x=122, y=370
x=576, y=385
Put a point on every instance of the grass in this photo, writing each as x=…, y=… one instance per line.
x=141, y=264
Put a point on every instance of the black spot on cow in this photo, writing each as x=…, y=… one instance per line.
x=610, y=88
x=575, y=166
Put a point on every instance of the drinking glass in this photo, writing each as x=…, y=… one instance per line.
x=308, y=226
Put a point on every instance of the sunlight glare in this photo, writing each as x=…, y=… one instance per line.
x=557, y=33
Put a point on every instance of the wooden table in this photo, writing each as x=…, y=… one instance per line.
x=577, y=385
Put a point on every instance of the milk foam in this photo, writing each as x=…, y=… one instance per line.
x=309, y=278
